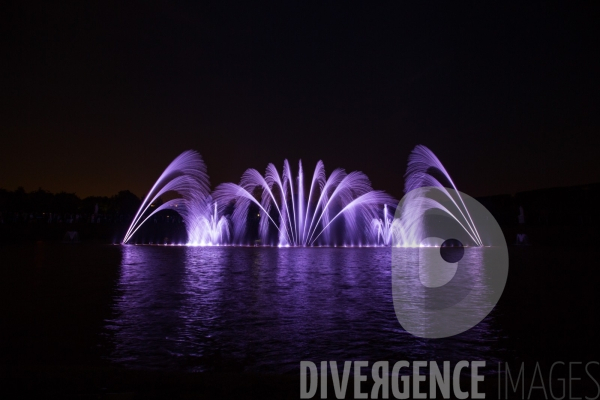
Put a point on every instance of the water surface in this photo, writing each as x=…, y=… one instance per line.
x=266, y=309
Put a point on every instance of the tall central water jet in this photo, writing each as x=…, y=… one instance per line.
x=301, y=220
x=382, y=228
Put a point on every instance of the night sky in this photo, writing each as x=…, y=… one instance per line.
x=100, y=97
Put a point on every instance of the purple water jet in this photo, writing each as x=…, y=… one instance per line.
x=304, y=217
x=382, y=228
x=186, y=176
x=339, y=209
x=428, y=187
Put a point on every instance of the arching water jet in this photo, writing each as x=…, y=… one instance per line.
x=301, y=220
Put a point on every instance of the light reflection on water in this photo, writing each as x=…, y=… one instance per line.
x=434, y=298
x=266, y=309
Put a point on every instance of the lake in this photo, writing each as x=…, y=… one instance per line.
x=249, y=310
x=266, y=309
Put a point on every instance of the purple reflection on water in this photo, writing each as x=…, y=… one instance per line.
x=266, y=309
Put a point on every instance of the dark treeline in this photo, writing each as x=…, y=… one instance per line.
x=567, y=215
x=553, y=216
x=42, y=202
x=574, y=205
x=42, y=215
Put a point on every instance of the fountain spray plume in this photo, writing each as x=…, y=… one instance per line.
x=186, y=175
x=298, y=219
x=381, y=228
x=426, y=171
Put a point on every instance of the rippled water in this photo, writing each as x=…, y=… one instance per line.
x=266, y=309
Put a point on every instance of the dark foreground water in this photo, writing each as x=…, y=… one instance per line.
x=266, y=309
x=83, y=318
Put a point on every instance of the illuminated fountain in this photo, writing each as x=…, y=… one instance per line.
x=341, y=208
x=382, y=228
x=187, y=177
x=430, y=191
x=302, y=217
x=205, y=227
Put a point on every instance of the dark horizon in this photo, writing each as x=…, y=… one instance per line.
x=142, y=195
x=98, y=99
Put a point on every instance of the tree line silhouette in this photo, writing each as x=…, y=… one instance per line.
x=42, y=202
x=549, y=216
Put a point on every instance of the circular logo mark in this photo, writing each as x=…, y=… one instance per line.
x=449, y=262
